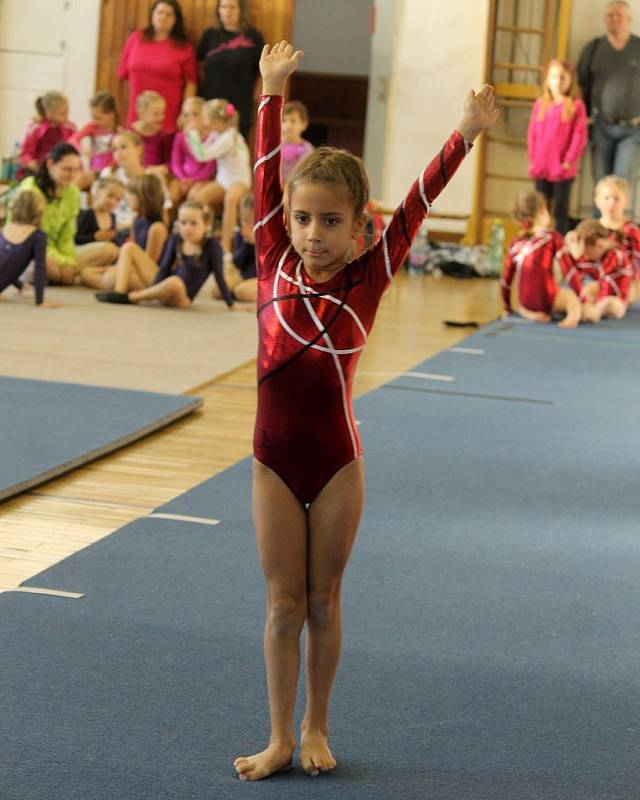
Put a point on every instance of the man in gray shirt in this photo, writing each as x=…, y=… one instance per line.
x=609, y=76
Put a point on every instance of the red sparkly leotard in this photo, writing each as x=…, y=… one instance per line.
x=530, y=262
x=628, y=236
x=311, y=334
x=613, y=272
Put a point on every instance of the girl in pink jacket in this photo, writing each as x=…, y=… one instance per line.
x=556, y=137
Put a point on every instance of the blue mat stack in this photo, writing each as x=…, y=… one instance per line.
x=491, y=607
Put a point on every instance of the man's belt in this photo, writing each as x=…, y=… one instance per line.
x=632, y=122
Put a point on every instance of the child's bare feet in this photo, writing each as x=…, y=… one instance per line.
x=534, y=316
x=568, y=322
x=276, y=758
x=315, y=756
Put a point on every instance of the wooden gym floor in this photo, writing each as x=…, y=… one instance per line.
x=43, y=526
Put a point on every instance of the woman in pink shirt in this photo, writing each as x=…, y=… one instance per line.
x=556, y=138
x=160, y=58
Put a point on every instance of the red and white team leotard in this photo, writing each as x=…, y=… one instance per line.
x=530, y=261
x=311, y=334
x=613, y=272
x=628, y=236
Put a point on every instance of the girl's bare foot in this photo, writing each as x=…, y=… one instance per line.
x=534, y=316
x=276, y=758
x=568, y=322
x=315, y=756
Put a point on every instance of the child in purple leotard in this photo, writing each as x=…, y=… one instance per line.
x=22, y=241
x=190, y=256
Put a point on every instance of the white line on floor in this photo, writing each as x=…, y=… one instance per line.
x=183, y=518
x=473, y=351
x=51, y=592
x=428, y=376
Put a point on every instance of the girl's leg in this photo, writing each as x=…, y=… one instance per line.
x=246, y=291
x=561, y=194
x=135, y=269
x=333, y=523
x=281, y=534
x=230, y=213
x=567, y=302
x=534, y=316
x=94, y=276
x=612, y=307
x=97, y=254
x=62, y=274
x=634, y=291
x=171, y=291
x=210, y=194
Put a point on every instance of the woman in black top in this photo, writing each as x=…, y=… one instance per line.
x=231, y=50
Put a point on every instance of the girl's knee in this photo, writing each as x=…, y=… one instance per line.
x=322, y=608
x=286, y=614
x=67, y=275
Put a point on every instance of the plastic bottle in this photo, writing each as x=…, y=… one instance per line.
x=419, y=252
x=495, y=250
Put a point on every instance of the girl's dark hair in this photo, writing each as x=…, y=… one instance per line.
x=178, y=32
x=105, y=102
x=148, y=189
x=43, y=180
x=527, y=206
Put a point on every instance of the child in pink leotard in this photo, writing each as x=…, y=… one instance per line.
x=315, y=308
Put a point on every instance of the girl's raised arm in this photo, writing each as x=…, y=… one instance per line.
x=276, y=65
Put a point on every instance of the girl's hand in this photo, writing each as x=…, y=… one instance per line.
x=574, y=246
x=107, y=235
x=479, y=113
x=276, y=64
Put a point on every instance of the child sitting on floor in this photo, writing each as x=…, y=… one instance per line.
x=295, y=120
x=191, y=255
x=241, y=274
x=156, y=142
x=611, y=197
x=191, y=175
x=22, y=241
x=590, y=247
x=98, y=223
x=530, y=262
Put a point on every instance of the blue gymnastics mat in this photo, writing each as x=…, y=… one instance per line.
x=49, y=428
x=491, y=609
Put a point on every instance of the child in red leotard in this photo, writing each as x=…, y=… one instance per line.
x=315, y=309
x=530, y=262
x=611, y=197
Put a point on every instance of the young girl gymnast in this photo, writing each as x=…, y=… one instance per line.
x=315, y=307
x=530, y=261
x=191, y=255
x=144, y=244
x=556, y=137
x=227, y=147
x=22, y=241
x=241, y=275
x=50, y=126
x=98, y=223
x=590, y=252
x=295, y=120
x=191, y=175
x=94, y=142
x=611, y=197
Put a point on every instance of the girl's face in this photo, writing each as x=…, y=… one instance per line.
x=229, y=13
x=107, y=199
x=323, y=227
x=192, y=225
x=125, y=152
x=611, y=202
x=293, y=126
x=558, y=81
x=59, y=114
x=132, y=200
x=163, y=18
x=153, y=114
x=103, y=119
x=191, y=115
x=64, y=172
x=213, y=123
x=594, y=252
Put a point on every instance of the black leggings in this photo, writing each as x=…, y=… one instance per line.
x=557, y=197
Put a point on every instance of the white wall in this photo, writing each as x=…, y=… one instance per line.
x=45, y=44
x=438, y=54
x=334, y=35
